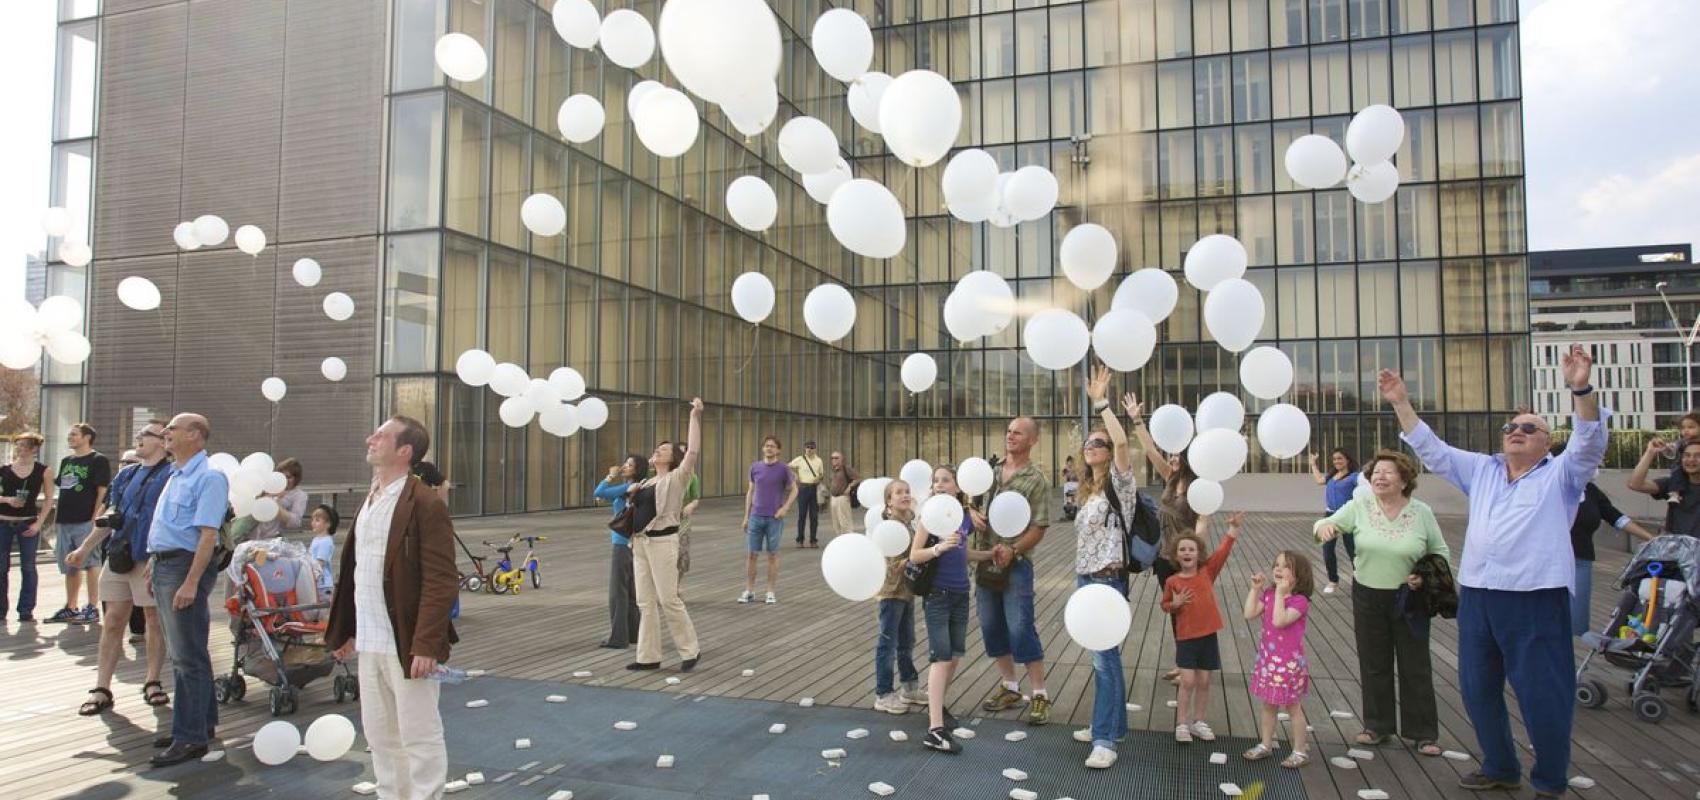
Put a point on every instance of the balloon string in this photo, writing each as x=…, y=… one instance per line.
x=755, y=342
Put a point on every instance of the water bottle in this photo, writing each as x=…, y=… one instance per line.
x=449, y=675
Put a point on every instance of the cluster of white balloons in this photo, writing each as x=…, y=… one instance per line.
x=976, y=191
x=210, y=230
x=55, y=326
x=56, y=222
x=250, y=478
x=1374, y=135
x=548, y=400
x=329, y=738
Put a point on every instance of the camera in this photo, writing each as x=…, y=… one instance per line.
x=113, y=519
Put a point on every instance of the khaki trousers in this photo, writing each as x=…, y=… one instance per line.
x=842, y=517
x=403, y=728
x=655, y=565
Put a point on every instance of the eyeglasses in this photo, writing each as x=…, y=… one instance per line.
x=145, y=434
x=1512, y=427
x=1098, y=443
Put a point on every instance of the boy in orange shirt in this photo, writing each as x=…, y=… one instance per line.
x=1190, y=596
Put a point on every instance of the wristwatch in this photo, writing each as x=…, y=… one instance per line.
x=1583, y=392
x=1100, y=405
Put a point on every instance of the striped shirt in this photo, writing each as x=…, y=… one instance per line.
x=372, y=631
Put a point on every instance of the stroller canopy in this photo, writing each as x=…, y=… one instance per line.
x=1681, y=550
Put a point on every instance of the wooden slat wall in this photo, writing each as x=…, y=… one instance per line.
x=233, y=112
x=139, y=154
x=333, y=101
x=132, y=361
x=224, y=345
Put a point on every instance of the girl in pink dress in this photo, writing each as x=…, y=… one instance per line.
x=1281, y=678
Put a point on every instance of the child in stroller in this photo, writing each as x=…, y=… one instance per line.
x=1651, y=634
x=279, y=624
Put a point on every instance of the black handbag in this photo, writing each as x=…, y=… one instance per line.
x=624, y=522
x=120, y=558
x=919, y=577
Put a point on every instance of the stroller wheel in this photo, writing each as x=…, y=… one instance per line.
x=1651, y=708
x=238, y=687
x=1590, y=694
x=277, y=702
x=221, y=691
x=339, y=687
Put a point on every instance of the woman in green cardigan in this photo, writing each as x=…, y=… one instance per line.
x=1392, y=531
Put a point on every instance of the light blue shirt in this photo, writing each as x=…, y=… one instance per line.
x=195, y=498
x=614, y=493
x=323, y=549
x=1518, y=537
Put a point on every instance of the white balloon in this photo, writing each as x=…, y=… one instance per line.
x=843, y=44
x=1266, y=372
x=246, y=484
x=276, y=742
x=138, y=293
x=474, y=367
x=211, y=230
x=581, y=117
x=1217, y=455
x=273, y=388
x=339, y=306
x=543, y=215
x=307, y=272
x=1374, y=134
x=1362, y=492
x=989, y=300
x=752, y=203
x=626, y=38
x=666, y=122
x=752, y=296
x=461, y=57
x=891, y=537
x=560, y=419
x=1171, y=428
x=872, y=518
x=1315, y=161
x=259, y=464
x=1374, y=183
x=822, y=185
x=1213, y=259
x=920, y=115
x=808, y=146
x=1009, y=514
x=1097, y=617
x=1283, y=430
x=970, y=177
x=509, y=379
x=541, y=394
x=68, y=347
x=58, y=313
x=264, y=509
x=980, y=209
x=1220, y=410
x=1056, y=338
x=577, y=23
x=752, y=110
x=1088, y=255
x=224, y=463
x=871, y=493
x=866, y=218
x=330, y=737
x=516, y=412
x=1124, y=339
x=1205, y=496
x=1031, y=193
x=592, y=413
x=334, y=369
x=56, y=221
x=974, y=476
x=1148, y=290
x=1233, y=313
x=919, y=475
x=853, y=566
x=568, y=383
x=250, y=239
x=942, y=514
x=720, y=48
x=19, y=352
x=863, y=98
x=184, y=236
x=829, y=312
x=639, y=91
x=918, y=372
x=241, y=505
x=75, y=254
x=959, y=318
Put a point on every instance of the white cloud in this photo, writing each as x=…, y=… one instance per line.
x=1623, y=209
x=26, y=37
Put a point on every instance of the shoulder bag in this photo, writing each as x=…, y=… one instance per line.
x=919, y=577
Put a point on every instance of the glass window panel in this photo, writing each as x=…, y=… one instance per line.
x=997, y=110
x=1293, y=237
x=613, y=235
x=1368, y=18
x=1250, y=24
x=1256, y=159
x=1210, y=27
x=462, y=296
x=1257, y=229
x=1466, y=374
x=1453, y=14
x=1174, y=28
x=415, y=28
x=1464, y=298
x=1370, y=78
x=1419, y=286
x=72, y=282
x=1336, y=301
x=1409, y=16
x=1295, y=302
x=466, y=167
x=416, y=158
x=1333, y=226
x=1032, y=49
x=548, y=327
x=1497, y=50
x=1418, y=157
x=510, y=181
x=72, y=188
x=1287, y=24
x=1508, y=372
x=997, y=45
x=511, y=61
x=1454, y=67
x=1419, y=222
x=1460, y=219
x=611, y=327
x=1175, y=100
x=1327, y=20
x=1502, y=216
x=1175, y=165
x=1033, y=100
x=1264, y=280
x=1291, y=83
x=1337, y=391
x=1066, y=38
x=1457, y=143
x=1251, y=87
x=1068, y=106
x=1413, y=72
x=1421, y=371
x=1507, y=296
x=1215, y=162
x=507, y=327
x=1183, y=324
x=1378, y=300
x=469, y=17
x=410, y=303
x=554, y=69
x=549, y=176
x=1502, y=139
x=583, y=221
x=1330, y=80
x=1103, y=39
x=78, y=68
x=1489, y=11
x=1376, y=230
x=1213, y=96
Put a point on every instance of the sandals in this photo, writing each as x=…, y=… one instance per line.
x=154, y=694
x=1258, y=752
x=1370, y=738
x=1428, y=748
x=95, y=705
x=1295, y=759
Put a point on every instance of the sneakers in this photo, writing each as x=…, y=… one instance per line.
x=1040, y=712
x=939, y=739
x=950, y=720
x=1183, y=734
x=1201, y=730
x=1084, y=735
x=64, y=615
x=1479, y=782
x=890, y=703
x=89, y=614
x=1101, y=758
x=772, y=599
x=1005, y=699
x=747, y=596
x=913, y=695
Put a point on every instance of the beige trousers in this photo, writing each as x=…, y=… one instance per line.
x=403, y=729
x=843, y=517
x=655, y=566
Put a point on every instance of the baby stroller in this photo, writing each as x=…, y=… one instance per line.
x=279, y=622
x=1651, y=635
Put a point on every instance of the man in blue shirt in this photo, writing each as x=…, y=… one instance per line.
x=181, y=541
x=1515, y=579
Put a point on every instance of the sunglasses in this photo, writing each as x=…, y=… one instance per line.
x=1098, y=443
x=1526, y=427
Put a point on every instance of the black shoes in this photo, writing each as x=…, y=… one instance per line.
x=689, y=664
x=938, y=739
x=1479, y=782
x=612, y=646
x=639, y=666
x=164, y=741
x=178, y=753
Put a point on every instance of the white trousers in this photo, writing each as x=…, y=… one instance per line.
x=403, y=729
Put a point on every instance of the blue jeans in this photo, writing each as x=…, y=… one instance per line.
x=1582, y=597
x=14, y=532
x=896, y=643
x=1330, y=561
x=764, y=533
x=1109, y=683
x=193, y=709
x=1006, y=617
x=808, y=512
x=1523, y=637
x=946, y=611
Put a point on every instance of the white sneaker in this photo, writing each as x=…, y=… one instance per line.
x=772, y=599
x=913, y=695
x=1084, y=735
x=1183, y=734
x=1201, y=729
x=747, y=596
x=890, y=704
x=1329, y=589
x=1101, y=758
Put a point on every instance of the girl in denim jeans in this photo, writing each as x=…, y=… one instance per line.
x=946, y=607
x=897, y=617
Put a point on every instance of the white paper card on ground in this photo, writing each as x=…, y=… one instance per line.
x=1015, y=736
x=1171, y=704
x=1310, y=729
x=1218, y=758
x=454, y=786
x=474, y=778
x=1340, y=714
x=1023, y=794
x=365, y=787
x=1456, y=755
x=474, y=673
x=583, y=673
x=1014, y=774
x=1371, y=794
x=522, y=744
x=625, y=725
x=856, y=733
x=1361, y=755
x=899, y=736
x=212, y=755
x=749, y=673
x=477, y=703
x=881, y=788
x=833, y=753
x=1283, y=716
x=777, y=727
x=556, y=698
x=664, y=762
x=1135, y=707
x=562, y=795
x=1582, y=782
x=807, y=702
x=1343, y=762
x=1230, y=789
x=759, y=797
x=672, y=681
x=962, y=733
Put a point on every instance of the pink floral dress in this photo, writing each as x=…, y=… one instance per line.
x=1281, y=676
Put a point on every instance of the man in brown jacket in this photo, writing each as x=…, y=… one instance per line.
x=396, y=586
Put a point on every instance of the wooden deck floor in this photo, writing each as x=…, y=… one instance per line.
x=813, y=644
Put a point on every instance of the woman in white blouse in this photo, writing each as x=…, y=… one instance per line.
x=1098, y=558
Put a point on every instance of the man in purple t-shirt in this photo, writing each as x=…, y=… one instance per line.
x=772, y=491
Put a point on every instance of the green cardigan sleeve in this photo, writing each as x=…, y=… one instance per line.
x=1345, y=519
x=1436, y=543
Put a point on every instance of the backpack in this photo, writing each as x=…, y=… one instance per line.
x=1141, y=538
x=919, y=577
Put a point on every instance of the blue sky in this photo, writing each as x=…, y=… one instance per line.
x=1610, y=95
